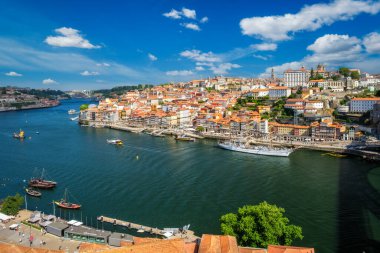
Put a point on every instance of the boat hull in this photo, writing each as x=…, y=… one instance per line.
x=42, y=184
x=267, y=152
x=33, y=193
x=67, y=206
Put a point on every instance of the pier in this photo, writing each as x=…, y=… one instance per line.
x=188, y=235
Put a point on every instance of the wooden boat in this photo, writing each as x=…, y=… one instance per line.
x=41, y=182
x=65, y=203
x=33, y=193
x=336, y=155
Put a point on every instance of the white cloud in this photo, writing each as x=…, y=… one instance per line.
x=191, y=26
x=69, y=37
x=104, y=64
x=174, y=14
x=334, y=48
x=279, y=69
x=198, y=56
x=204, y=20
x=215, y=63
x=49, y=81
x=184, y=13
x=309, y=18
x=199, y=68
x=188, y=13
x=12, y=73
x=223, y=68
x=261, y=57
x=152, y=57
x=372, y=43
x=264, y=47
x=89, y=73
x=180, y=73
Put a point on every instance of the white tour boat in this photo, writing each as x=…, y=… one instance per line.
x=257, y=150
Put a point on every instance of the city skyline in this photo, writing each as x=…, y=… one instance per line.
x=102, y=45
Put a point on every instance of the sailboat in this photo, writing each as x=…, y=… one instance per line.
x=20, y=135
x=41, y=182
x=65, y=203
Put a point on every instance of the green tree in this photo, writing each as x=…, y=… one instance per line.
x=335, y=78
x=311, y=73
x=355, y=75
x=260, y=226
x=200, y=128
x=377, y=93
x=344, y=71
x=12, y=204
x=83, y=107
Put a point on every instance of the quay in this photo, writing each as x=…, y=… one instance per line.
x=186, y=234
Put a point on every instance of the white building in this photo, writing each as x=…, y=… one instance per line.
x=294, y=78
x=362, y=104
x=278, y=92
x=263, y=126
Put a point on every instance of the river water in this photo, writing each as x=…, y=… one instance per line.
x=164, y=183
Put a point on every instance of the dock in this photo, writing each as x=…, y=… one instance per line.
x=188, y=235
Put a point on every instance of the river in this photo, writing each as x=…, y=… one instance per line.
x=164, y=183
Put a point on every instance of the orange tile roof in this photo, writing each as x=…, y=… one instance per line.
x=288, y=249
x=92, y=247
x=363, y=99
x=218, y=244
x=161, y=246
x=251, y=250
x=279, y=88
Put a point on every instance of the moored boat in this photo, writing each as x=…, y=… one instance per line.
x=65, y=203
x=71, y=111
x=33, y=192
x=184, y=138
x=41, y=182
x=257, y=150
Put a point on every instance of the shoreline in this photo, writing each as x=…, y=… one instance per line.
x=340, y=147
x=30, y=108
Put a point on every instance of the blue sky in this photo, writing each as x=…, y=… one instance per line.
x=101, y=44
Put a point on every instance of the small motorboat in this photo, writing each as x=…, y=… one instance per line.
x=20, y=135
x=115, y=141
x=71, y=111
x=33, y=192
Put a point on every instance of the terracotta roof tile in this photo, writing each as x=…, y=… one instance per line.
x=288, y=249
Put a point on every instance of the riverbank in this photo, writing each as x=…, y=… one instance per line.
x=30, y=107
x=335, y=146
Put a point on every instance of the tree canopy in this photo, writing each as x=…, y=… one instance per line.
x=12, y=204
x=260, y=225
x=83, y=107
x=344, y=71
x=355, y=75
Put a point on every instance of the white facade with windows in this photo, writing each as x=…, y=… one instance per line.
x=294, y=78
x=362, y=104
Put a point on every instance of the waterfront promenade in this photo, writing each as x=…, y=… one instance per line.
x=22, y=236
x=188, y=235
x=299, y=142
